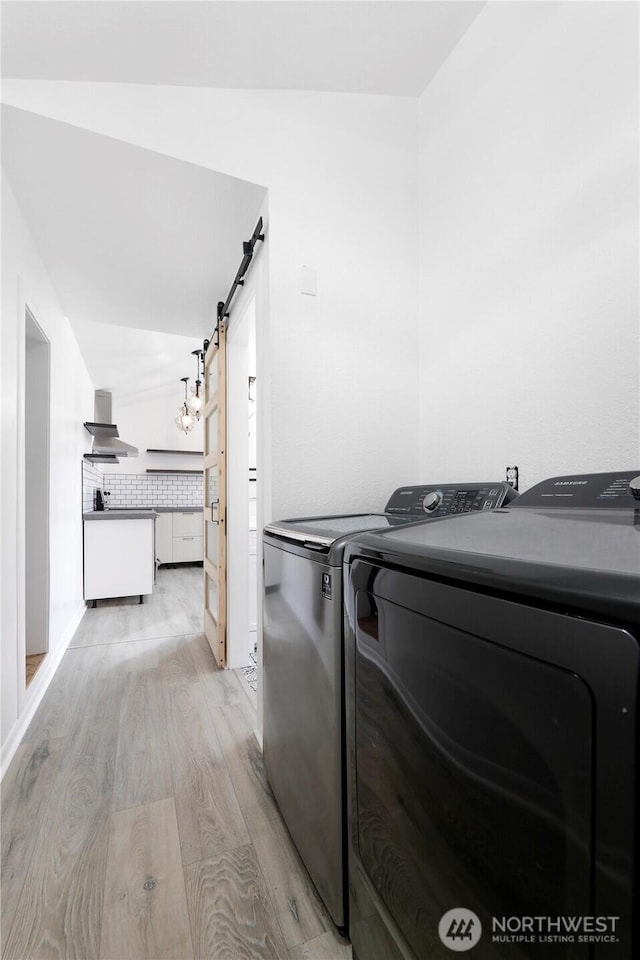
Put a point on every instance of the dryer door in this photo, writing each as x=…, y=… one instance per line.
x=473, y=770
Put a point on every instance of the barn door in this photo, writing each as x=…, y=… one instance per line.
x=215, y=495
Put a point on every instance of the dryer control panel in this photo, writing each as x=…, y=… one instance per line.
x=583, y=491
x=445, y=499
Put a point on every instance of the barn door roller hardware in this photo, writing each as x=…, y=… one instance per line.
x=238, y=280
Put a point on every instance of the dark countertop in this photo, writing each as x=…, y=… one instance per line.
x=141, y=514
x=197, y=509
x=136, y=513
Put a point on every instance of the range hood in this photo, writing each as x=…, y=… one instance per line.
x=107, y=445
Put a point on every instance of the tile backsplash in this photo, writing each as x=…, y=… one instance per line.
x=92, y=480
x=157, y=490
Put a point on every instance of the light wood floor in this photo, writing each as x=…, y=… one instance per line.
x=33, y=665
x=136, y=818
x=173, y=609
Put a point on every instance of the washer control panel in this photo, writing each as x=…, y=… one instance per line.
x=432, y=500
x=445, y=499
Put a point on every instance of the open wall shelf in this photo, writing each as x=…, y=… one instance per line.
x=101, y=429
x=101, y=458
x=175, y=471
x=181, y=453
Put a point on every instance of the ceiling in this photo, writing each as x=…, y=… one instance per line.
x=131, y=363
x=140, y=245
x=129, y=236
x=393, y=47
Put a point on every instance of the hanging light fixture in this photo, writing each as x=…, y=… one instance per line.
x=196, y=400
x=185, y=420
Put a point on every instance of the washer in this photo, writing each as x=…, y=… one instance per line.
x=492, y=672
x=303, y=737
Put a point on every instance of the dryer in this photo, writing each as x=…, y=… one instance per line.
x=492, y=674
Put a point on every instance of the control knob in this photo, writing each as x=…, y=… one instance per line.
x=634, y=488
x=431, y=501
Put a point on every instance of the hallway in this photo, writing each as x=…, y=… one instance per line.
x=137, y=822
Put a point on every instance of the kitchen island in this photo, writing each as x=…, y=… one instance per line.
x=119, y=554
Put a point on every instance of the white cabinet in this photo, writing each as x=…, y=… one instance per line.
x=187, y=524
x=164, y=538
x=179, y=536
x=187, y=548
x=187, y=536
x=118, y=558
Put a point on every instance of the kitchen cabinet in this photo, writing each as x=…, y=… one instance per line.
x=164, y=538
x=187, y=548
x=179, y=537
x=187, y=524
x=118, y=558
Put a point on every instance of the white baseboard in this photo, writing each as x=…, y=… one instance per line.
x=35, y=692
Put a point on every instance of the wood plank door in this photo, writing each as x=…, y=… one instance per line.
x=215, y=495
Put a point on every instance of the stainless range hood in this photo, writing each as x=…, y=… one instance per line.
x=107, y=445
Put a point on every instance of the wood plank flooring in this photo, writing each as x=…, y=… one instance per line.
x=33, y=663
x=173, y=609
x=145, y=908
x=136, y=818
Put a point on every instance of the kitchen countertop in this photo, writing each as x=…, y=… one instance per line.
x=120, y=515
x=197, y=509
x=136, y=513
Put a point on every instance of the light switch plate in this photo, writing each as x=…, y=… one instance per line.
x=308, y=281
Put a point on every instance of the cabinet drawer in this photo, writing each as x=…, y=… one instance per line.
x=187, y=524
x=187, y=548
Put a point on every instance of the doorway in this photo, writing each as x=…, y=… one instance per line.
x=237, y=565
x=242, y=485
x=36, y=494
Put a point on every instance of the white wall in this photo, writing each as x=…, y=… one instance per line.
x=529, y=245
x=36, y=432
x=342, y=177
x=147, y=420
x=24, y=279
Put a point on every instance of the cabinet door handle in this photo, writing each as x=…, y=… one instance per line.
x=188, y=538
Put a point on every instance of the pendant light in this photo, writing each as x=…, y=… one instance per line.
x=184, y=420
x=196, y=400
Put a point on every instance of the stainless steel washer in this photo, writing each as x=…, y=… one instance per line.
x=303, y=667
